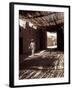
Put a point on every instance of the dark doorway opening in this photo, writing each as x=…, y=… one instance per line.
x=20, y=45
x=43, y=39
x=60, y=39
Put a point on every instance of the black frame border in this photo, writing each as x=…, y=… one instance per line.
x=11, y=43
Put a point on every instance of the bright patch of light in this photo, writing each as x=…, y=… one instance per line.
x=22, y=23
x=34, y=27
x=30, y=24
x=51, y=40
x=51, y=34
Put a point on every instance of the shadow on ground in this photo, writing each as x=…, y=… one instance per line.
x=38, y=62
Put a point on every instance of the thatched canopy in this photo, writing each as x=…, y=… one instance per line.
x=42, y=18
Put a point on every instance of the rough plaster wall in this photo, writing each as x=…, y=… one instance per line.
x=27, y=35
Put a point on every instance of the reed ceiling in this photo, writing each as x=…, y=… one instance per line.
x=42, y=18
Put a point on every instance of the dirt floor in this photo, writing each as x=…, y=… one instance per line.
x=44, y=64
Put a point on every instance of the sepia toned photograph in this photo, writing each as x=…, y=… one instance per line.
x=41, y=44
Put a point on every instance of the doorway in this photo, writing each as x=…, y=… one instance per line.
x=20, y=45
x=51, y=39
